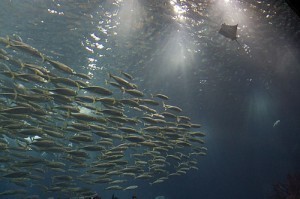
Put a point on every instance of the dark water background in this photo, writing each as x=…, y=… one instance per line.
x=236, y=94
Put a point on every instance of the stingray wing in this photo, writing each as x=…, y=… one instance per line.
x=229, y=31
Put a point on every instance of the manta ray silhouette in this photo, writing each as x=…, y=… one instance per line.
x=229, y=31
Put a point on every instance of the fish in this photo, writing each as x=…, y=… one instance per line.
x=65, y=81
x=42, y=70
x=122, y=81
x=103, y=134
x=43, y=143
x=92, y=148
x=86, y=99
x=98, y=90
x=133, y=92
x=149, y=102
x=114, y=187
x=83, y=76
x=13, y=192
x=61, y=99
x=31, y=132
x=201, y=134
x=129, y=102
x=25, y=47
x=55, y=120
x=112, y=112
x=131, y=187
x=81, y=139
x=127, y=75
x=53, y=164
x=4, y=57
x=195, y=139
x=3, y=146
x=16, y=174
x=143, y=176
x=156, y=181
x=61, y=66
x=64, y=91
x=173, y=108
x=106, y=100
x=62, y=178
x=276, y=123
x=17, y=110
x=117, y=181
x=147, y=109
x=134, y=138
x=102, y=180
x=128, y=130
x=161, y=96
x=86, y=117
x=104, y=165
x=168, y=115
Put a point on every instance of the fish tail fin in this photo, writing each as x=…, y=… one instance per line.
x=43, y=57
x=81, y=87
x=68, y=113
x=27, y=146
x=164, y=105
x=16, y=94
x=8, y=42
x=102, y=153
x=78, y=86
x=46, y=58
x=13, y=75
x=178, y=164
x=48, y=78
x=123, y=89
x=109, y=75
x=142, y=133
x=22, y=65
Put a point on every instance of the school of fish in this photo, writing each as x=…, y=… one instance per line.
x=54, y=123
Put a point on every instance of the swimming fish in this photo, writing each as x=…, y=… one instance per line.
x=276, y=123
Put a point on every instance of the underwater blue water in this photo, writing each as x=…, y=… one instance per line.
x=236, y=92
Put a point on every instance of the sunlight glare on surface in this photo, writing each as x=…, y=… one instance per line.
x=232, y=11
x=178, y=48
x=178, y=10
x=130, y=18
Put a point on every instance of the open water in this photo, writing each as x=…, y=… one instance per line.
x=245, y=94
